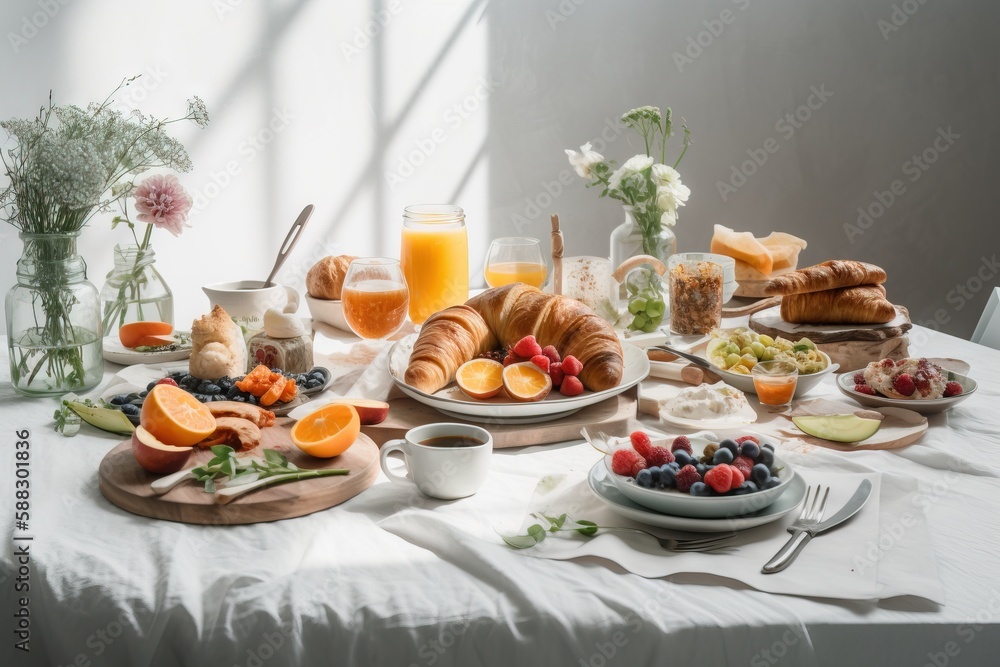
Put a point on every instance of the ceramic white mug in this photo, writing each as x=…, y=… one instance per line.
x=247, y=300
x=441, y=472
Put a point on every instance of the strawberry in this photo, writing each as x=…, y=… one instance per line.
x=641, y=443
x=904, y=384
x=637, y=466
x=888, y=364
x=623, y=460
x=720, y=478
x=952, y=389
x=682, y=442
x=541, y=361
x=687, y=476
x=738, y=479
x=512, y=358
x=859, y=378
x=571, y=365
x=864, y=389
x=571, y=386
x=173, y=383
x=744, y=465
x=527, y=347
x=659, y=456
x=556, y=373
x=552, y=353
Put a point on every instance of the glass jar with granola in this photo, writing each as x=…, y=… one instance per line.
x=695, y=295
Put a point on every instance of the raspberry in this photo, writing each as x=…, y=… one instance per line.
x=888, y=364
x=571, y=386
x=687, y=476
x=744, y=465
x=659, y=456
x=623, y=460
x=904, y=384
x=552, y=353
x=173, y=383
x=527, y=347
x=952, y=389
x=541, y=361
x=864, y=389
x=859, y=378
x=720, y=478
x=637, y=467
x=738, y=478
x=512, y=358
x=556, y=373
x=571, y=365
x=682, y=442
x=641, y=443
x=743, y=438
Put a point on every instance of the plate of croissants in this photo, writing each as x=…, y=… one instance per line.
x=502, y=329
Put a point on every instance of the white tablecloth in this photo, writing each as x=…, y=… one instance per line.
x=111, y=588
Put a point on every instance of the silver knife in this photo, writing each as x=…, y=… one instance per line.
x=787, y=553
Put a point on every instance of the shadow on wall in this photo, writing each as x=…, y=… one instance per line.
x=866, y=131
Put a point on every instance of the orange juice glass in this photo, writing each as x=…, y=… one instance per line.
x=774, y=382
x=515, y=259
x=374, y=297
x=434, y=254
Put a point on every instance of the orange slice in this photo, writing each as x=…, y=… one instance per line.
x=526, y=382
x=137, y=334
x=480, y=378
x=175, y=417
x=328, y=432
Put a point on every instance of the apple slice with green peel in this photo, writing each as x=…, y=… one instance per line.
x=838, y=428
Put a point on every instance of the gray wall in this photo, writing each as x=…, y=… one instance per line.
x=567, y=67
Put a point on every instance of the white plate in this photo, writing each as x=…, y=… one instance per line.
x=117, y=353
x=661, y=336
x=933, y=406
x=675, y=503
x=607, y=492
x=747, y=415
x=501, y=410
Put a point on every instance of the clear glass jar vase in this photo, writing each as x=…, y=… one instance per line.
x=135, y=291
x=53, y=319
x=627, y=240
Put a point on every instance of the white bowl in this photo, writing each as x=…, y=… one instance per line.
x=675, y=503
x=802, y=386
x=328, y=311
x=932, y=406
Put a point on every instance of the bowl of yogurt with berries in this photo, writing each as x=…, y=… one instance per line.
x=707, y=475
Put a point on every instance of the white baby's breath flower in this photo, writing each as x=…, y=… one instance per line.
x=664, y=175
x=584, y=161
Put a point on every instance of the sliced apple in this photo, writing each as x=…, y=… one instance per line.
x=838, y=428
x=156, y=456
x=370, y=412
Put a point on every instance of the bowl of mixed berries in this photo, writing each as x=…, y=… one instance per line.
x=704, y=475
x=916, y=384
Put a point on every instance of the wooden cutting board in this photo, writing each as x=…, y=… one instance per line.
x=611, y=416
x=127, y=485
x=769, y=322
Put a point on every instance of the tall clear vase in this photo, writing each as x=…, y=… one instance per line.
x=53, y=319
x=135, y=291
x=628, y=240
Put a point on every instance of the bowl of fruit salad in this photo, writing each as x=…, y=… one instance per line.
x=734, y=353
x=705, y=475
x=916, y=384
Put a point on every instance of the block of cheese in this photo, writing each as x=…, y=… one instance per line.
x=742, y=246
x=784, y=249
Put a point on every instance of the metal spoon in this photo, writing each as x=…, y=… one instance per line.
x=697, y=361
x=293, y=236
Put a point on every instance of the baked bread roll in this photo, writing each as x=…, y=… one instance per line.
x=865, y=304
x=325, y=279
x=217, y=347
x=828, y=275
x=503, y=316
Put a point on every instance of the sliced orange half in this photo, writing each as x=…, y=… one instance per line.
x=480, y=378
x=526, y=382
x=175, y=417
x=328, y=432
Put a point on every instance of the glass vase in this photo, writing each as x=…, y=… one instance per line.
x=53, y=319
x=627, y=240
x=135, y=291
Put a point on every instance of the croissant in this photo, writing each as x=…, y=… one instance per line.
x=503, y=316
x=865, y=304
x=825, y=276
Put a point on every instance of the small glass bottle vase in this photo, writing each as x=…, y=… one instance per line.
x=135, y=291
x=627, y=241
x=53, y=319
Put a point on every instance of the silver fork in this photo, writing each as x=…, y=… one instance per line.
x=812, y=511
x=713, y=543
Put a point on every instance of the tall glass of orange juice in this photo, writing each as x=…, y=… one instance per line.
x=434, y=254
x=515, y=259
x=374, y=297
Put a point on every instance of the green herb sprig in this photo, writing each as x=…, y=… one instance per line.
x=239, y=475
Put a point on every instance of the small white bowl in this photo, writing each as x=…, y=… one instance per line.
x=328, y=311
x=802, y=386
x=924, y=406
x=675, y=503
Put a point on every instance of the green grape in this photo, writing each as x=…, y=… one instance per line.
x=747, y=351
x=748, y=360
x=654, y=308
x=732, y=348
x=639, y=321
x=766, y=341
x=650, y=327
x=768, y=354
x=732, y=360
x=758, y=349
x=636, y=305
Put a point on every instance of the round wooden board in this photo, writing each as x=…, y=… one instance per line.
x=769, y=322
x=127, y=485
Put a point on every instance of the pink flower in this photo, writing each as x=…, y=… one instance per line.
x=163, y=202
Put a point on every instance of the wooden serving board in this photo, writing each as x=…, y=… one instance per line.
x=740, y=306
x=769, y=322
x=127, y=485
x=611, y=416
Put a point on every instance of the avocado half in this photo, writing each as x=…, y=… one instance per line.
x=838, y=428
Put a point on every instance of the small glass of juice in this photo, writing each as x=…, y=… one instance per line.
x=775, y=383
x=375, y=297
x=515, y=259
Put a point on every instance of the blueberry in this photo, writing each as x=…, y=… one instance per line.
x=644, y=479
x=682, y=458
x=142, y=394
x=752, y=486
x=771, y=483
x=655, y=472
x=768, y=445
x=129, y=409
x=312, y=384
x=121, y=399
x=767, y=457
x=319, y=375
x=201, y=397
x=238, y=398
x=225, y=383
x=750, y=449
x=212, y=389
x=731, y=445
x=150, y=386
x=136, y=401
x=667, y=475
x=275, y=370
x=701, y=468
x=233, y=391
x=760, y=474
x=699, y=489
x=723, y=455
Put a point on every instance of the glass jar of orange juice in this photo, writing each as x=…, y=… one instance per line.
x=434, y=254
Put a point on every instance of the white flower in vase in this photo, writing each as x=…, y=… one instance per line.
x=584, y=161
